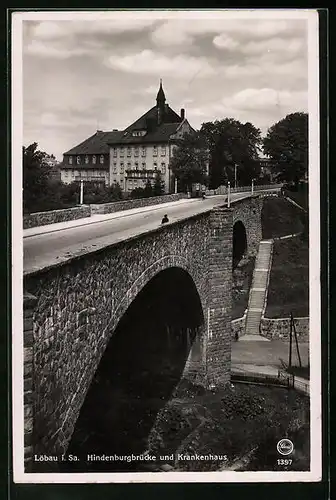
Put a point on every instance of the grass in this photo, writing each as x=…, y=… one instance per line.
x=289, y=280
x=300, y=197
x=280, y=218
x=232, y=421
x=300, y=371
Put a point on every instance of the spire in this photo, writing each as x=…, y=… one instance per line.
x=160, y=98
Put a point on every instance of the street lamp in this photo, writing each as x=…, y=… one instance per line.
x=228, y=195
x=81, y=193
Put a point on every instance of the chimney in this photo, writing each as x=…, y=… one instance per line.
x=182, y=113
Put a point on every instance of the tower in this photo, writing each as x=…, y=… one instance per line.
x=160, y=104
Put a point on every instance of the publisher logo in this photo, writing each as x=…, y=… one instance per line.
x=285, y=446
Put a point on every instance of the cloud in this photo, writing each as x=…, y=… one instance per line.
x=40, y=49
x=149, y=62
x=224, y=41
x=266, y=99
x=276, y=45
x=229, y=31
x=50, y=30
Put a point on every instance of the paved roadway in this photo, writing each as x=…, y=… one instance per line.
x=50, y=245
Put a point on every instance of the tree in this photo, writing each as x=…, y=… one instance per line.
x=158, y=188
x=36, y=178
x=190, y=160
x=140, y=192
x=287, y=144
x=232, y=145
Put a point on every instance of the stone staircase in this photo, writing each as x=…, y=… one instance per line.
x=258, y=290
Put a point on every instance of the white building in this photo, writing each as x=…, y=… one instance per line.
x=133, y=156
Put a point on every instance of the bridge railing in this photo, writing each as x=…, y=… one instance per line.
x=243, y=189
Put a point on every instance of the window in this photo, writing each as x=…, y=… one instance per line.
x=129, y=166
x=78, y=160
x=70, y=160
x=115, y=152
x=163, y=168
x=136, y=165
x=121, y=168
x=143, y=151
x=136, y=151
x=121, y=151
x=144, y=166
x=154, y=150
x=101, y=159
x=114, y=168
x=155, y=166
x=86, y=159
x=135, y=182
x=121, y=181
x=129, y=151
x=163, y=150
x=94, y=159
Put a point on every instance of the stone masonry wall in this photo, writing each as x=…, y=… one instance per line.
x=44, y=218
x=280, y=328
x=29, y=302
x=249, y=213
x=79, y=306
x=238, y=327
x=66, y=214
x=108, y=208
x=218, y=318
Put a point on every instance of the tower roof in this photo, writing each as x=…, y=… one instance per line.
x=160, y=98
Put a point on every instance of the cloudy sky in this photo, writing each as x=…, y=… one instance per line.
x=82, y=74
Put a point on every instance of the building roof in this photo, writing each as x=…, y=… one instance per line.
x=96, y=144
x=159, y=122
x=142, y=123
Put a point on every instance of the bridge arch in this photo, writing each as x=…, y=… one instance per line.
x=172, y=276
x=239, y=242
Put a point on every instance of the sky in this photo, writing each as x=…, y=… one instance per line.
x=83, y=72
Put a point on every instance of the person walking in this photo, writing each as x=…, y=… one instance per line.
x=164, y=219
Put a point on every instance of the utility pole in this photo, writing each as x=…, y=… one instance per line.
x=228, y=195
x=81, y=194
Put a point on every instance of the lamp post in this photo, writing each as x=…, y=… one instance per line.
x=252, y=187
x=175, y=184
x=81, y=193
x=228, y=195
x=235, y=176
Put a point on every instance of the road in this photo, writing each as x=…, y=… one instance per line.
x=57, y=243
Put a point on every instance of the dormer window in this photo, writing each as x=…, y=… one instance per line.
x=86, y=159
x=94, y=159
x=101, y=159
x=138, y=133
x=70, y=160
x=78, y=160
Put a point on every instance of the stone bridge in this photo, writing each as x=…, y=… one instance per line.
x=72, y=310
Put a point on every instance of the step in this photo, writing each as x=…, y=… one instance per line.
x=258, y=289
